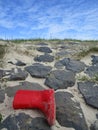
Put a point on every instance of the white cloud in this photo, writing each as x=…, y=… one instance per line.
x=6, y=24
x=33, y=16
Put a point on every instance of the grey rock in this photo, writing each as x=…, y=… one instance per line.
x=18, y=74
x=94, y=126
x=62, y=53
x=40, y=124
x=38, y=70
x=11, y=62
x=73, y=65
x=97, y=115
x=44, y=58
x=24, y=122
x=59, y=65
x=18, y=63
x=2, y=96
x=44, y=49
x=30, y=85
x=24, y=86
x=89, y=91
x=42, y=44
x=94, y=59
x=69, y=112
x=65, y=61
x=92, y=70
x=64, y=47
x=2, y=73
x=60, y=79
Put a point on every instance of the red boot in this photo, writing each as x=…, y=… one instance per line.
x=43, y=100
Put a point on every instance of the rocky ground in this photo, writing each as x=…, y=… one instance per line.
x=44, y=65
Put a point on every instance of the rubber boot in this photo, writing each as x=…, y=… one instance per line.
x=43, y=100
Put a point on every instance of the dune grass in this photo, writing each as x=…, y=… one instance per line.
x=2, y=51
x=51, y=39
x=86, y=78
x=83, y=53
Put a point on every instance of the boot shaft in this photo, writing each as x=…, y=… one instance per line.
x=43, y=100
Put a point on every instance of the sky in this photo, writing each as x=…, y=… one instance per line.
x=62, y=19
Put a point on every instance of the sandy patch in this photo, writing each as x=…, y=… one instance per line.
x=26, y=53
x=87, y=59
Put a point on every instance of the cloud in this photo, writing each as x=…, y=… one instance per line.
x=62, y=19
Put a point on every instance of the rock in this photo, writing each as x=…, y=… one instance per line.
x=2, y=96
x=60, y=79
x=64, y=47
x=94, y=59
x=31, y=86
x=11, y=62
x=59, y=65
x=92, y=70
x=97, y=115
x=18, y=63
x=65, y=61
x=62, y=53
x=38, y=70
x=42, y=44
x=89, y=91
x=2, y=73
x=24, y=86
x=39, y=124
x=73, y=65
x=18, y=74
x=44, y=49
x=24, y=122
x=94, y=126
x=69, y=112
x=44, y=58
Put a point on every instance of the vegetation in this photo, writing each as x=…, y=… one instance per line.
x=0, y=117
x=83, y=78
x=83, y=53
x=2, y=51
x=96, y=77
x=51, y=39
x=93, y=49
x=86, y=78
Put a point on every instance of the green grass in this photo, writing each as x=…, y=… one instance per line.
x=83, y=78
x=95, y=77
x=18, y=40
x=51, y=39
x=82, y=54
x=86, y=78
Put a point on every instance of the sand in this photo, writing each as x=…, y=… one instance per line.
x=19, y=52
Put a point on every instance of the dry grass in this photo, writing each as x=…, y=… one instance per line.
x=84, y=53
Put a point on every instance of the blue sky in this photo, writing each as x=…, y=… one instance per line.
x=76, y=19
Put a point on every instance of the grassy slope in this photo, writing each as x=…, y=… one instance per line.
x=40, y=40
